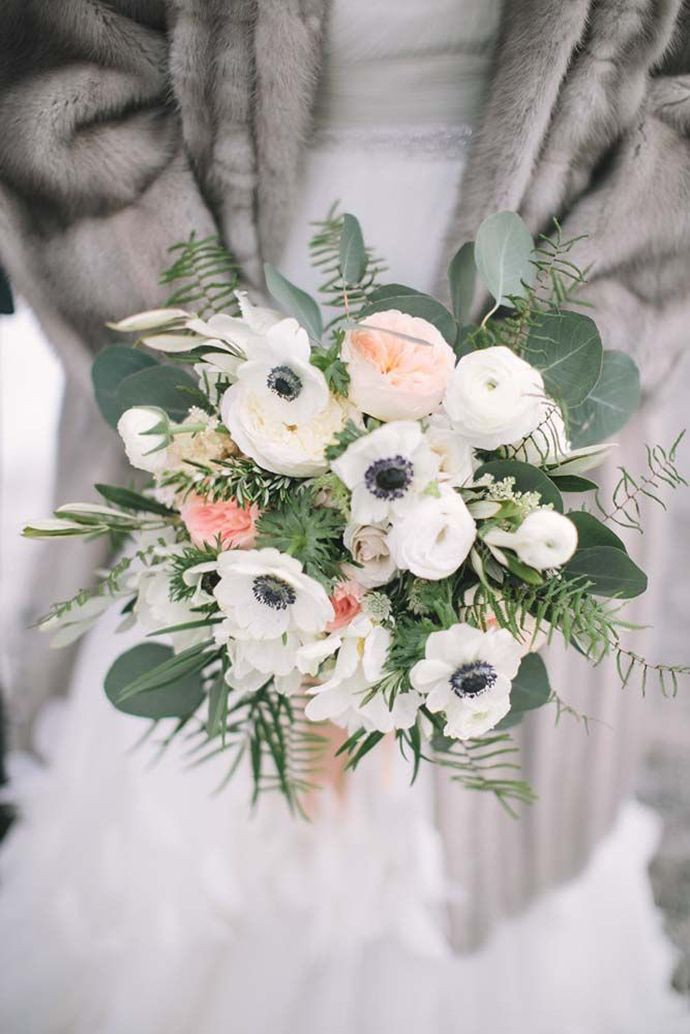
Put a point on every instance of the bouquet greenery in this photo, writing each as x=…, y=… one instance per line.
x=363, y=522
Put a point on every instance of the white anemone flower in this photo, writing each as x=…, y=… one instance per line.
x=386, y=470
x=360, y=651
x=264, y=595
x=254, y=663
x=494, y=397
x=467, y=675
x=154, y=609
x=145, y=451
x=433, y=537
x=545, y=539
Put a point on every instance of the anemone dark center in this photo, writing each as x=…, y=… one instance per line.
x=472, y=679
x=389, y=478
x=284, y=382
x=209, y=581
x=273, y=592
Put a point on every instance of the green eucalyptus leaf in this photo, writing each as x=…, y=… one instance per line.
x=609, y=405
x=110, y=367
x=573, y=483
x=130, y=500
x=166, y=387
x=462, y=275
x=530, y=689
x=175, y=699
x=610, y=571
x=503, y=252
x=566, y=348
x=353, y=255
x=527, y=479
x=294, y=301
x=405, y=299
x=591, y=532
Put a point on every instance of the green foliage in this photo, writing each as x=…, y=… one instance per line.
x=566, y=348
x=177, y=697
x=462, y=277
x=527, y=479
x=238, y=478
x=608, y=570
x=109, y=369
x=204, y=277
x=165, y=387
x=130, y=500
x=530, y=689
x=332, y=367
x=353, y=259
x=184, y=561
x=325, y=249
x=503, y=253
x=629, y=493
x=295, y=302
x=313, y=536
x=609, y=405
x=342, y=439
x=405, y=299
x=591, y=532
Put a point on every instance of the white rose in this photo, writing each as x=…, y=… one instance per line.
x=144, y=451
x=399, y=365
x=545, y=539
x=294, y=449
x=433, y=537
x=386, y=470
x=494, y=397
x=369, y=547
x=455, y=455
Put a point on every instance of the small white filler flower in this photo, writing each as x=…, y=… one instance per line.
x=467, y=674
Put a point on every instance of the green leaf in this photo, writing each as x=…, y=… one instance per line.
x=172, y=668
x=610, y=571
x=503, y=253
x=130, y=500
x=462, y=275
x=217, y=707
x=591, y=532
x=527, y=479
x=405, y=299
x=176, y=699
x=353, y=255
x=166, y=387
x=573, y=483
x=110, y=367
x=566, y=348
x=294, y=301
x=530, y=689
x=609, y=405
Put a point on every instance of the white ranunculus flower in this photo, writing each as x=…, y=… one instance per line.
x=360, y=650
x=494, y=397
x=386, y=470
x=545, y=539
x=548, y=442
x=264, y=594
x=455, y=455
x=467, y=674
x=144, y=451
x=433, y=537
x=369, y=548
x=294, y=449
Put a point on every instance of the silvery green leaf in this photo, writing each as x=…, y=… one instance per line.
x=566, y=348
x=110, y=367
x=503, y=253
x=610, y=404
x=608, y=570
x=580, y=460
x=149, y=320
x=295, y=302
x=176, y=697
x=406, y=299
x=462, y=276
x=353, y=255
x=173, y=343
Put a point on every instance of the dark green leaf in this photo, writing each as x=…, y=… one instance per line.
x=405, y=299
x=566, y=348
x=353, y=255
x=609, y=405
x=530, y=689
x=462, y=274
x=166, y=387
x=591, y=532
x=610, y=571
x=130, y=500
x=217, y=707
x=527, y=479
x=503, y=252
x=295, y=302
x=110, y=367
x=170, y=669
x=177, y=699
x=573, y=483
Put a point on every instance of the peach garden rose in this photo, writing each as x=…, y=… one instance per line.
x=207, y=521
x=399, y=366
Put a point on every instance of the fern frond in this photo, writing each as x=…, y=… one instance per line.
x=625, y=508
x=204, y=277
x=324, y=250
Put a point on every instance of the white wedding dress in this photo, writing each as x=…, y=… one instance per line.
x=135, y=900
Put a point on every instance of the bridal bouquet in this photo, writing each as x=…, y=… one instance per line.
x=364, y=523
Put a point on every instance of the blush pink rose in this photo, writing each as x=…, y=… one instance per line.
x=347, y=603
x=391, y=376
x=206, y=522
